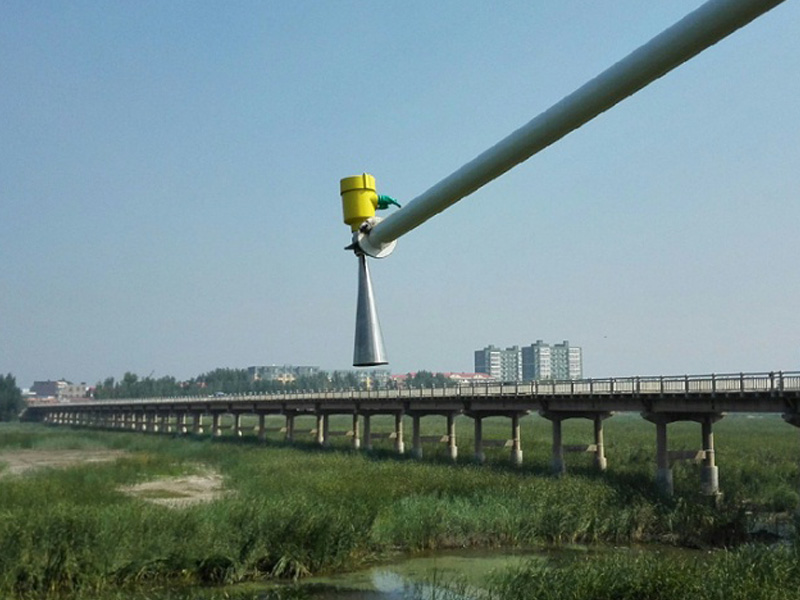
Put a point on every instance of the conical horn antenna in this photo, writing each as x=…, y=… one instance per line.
x=368, y=350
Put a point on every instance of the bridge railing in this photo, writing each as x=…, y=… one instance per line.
x=743, y=383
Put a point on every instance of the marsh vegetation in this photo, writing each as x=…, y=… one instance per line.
x=292, y=511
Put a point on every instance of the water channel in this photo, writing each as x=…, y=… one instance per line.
x=451, y=575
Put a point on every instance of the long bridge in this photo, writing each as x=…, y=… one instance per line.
x=703, y=399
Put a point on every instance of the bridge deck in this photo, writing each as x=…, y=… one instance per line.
x=775, y=392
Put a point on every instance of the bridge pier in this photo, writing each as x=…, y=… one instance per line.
x=183, y=428
x=663, y=468
x=416, y=449
x=289, y=436
x=709, y=473
x=356, y=432
x=320, y=429
x=197, y=426
x=237, y=424
x=367, y=433
x=558, y=465
x=399, y=444
x=516, y=440
x=216, y=424
x=451, y=436
x=600, y=453
x=480, y=455
x=262, y=427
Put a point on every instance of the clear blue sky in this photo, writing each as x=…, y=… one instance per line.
x=169, y=187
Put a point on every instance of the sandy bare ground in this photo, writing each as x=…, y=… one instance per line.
x=20, y=461
x=170, y=491
x=179, y=492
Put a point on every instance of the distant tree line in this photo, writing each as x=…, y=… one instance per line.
x=11, y=403
x=238, y=381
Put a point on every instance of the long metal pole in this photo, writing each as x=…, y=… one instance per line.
x=700, y=29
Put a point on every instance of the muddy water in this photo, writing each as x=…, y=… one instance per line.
x=463, y=573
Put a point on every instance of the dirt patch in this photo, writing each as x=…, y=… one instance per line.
x=178, y=492
x=171, y=491
x=20, y=461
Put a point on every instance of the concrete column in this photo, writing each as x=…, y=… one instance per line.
x=600, y=456
x=183, y=428
x=320, y=429
x=289, y=437
x=326, y=430
x=367, y=433
x=709, y=474
x=216, y=424
x=164, y=422
x=262, y=428
x=416, y=449
x=451, y=436
x=480, y=456
x=516, y=441
x=198, y=423
x=559, y=467
x=399, y=443
x=356, y=433
x=663, y=470
x=237, y=425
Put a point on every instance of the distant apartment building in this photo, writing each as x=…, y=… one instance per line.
x=373, y=378
x=61, y=390
x=502, y=365
x=282, y=373
x=534, y=362
x=455, y=379
x=559, y=361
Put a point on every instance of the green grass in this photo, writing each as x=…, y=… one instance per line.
x=747, y=573
x=293, y=511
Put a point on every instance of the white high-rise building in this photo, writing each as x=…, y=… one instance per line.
x=503, y=365
x=559, y=361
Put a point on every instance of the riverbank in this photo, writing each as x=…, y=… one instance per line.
x=289, y=512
